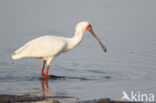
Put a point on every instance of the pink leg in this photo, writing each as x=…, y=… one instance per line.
x=46, y=74
x=48, y=63
x=42, y=70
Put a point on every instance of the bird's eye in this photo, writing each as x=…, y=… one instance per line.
x=88, y=27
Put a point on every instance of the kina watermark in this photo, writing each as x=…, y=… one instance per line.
x=137, y=96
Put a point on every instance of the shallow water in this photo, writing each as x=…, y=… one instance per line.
x=128, y=33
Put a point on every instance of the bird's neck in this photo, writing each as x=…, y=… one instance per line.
x=75, y=40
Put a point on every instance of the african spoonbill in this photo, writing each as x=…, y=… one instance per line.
x=48, y=47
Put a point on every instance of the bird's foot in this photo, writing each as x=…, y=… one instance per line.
x=48, y=76
x=52, y=76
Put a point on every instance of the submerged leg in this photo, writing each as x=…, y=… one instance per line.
x=42, y=70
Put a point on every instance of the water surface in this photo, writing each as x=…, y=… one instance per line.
x=127, y=29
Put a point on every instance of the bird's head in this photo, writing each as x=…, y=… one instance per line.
x=86, y=26
x=81, y=26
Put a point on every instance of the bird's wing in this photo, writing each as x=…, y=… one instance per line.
x=46, y=46
x=21, y=49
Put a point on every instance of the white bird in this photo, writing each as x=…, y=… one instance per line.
x=48, y=47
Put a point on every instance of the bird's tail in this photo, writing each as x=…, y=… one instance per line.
x=16, y=56
x=19, y=53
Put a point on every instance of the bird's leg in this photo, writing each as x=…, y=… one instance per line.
x=48, y=63
x=42, y=70
x=46, y=74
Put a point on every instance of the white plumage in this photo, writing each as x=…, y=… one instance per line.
x=48, y=47
x=41, y=47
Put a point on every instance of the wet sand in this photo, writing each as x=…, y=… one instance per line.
x=4, y=98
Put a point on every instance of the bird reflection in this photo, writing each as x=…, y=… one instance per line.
x=45, y=88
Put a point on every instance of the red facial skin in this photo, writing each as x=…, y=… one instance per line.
x=88, y=28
